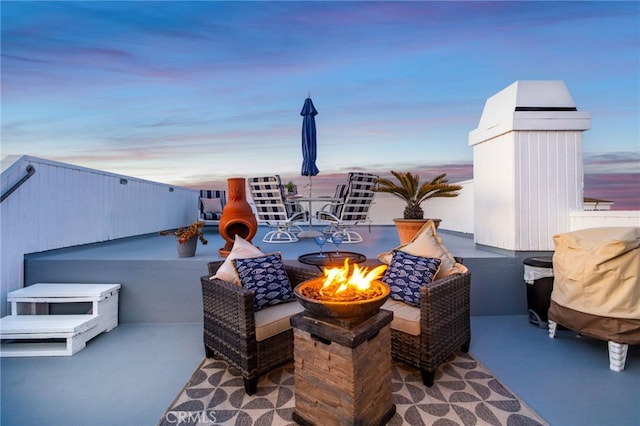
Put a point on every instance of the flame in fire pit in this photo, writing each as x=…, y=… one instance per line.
x=339, y=283
x=346, y=294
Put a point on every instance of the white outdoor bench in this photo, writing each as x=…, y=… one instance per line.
x=31, y=331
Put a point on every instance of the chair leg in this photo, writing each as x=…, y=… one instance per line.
x=349, y=236
x=279, y=236
x=296, y=229
x=329, y=229
x=208, y=352
x=617, y=355
x=251, y=385
x=465, y=346
x=427, y=377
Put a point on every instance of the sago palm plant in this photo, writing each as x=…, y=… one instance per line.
x=409, y=189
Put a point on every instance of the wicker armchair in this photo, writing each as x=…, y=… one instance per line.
x=444, y=326
x=230, y=327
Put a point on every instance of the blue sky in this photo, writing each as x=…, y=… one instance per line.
x=191, y=93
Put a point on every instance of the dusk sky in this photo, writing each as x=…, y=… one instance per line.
x=190, y=93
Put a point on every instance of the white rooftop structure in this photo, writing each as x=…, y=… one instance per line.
x=527, y=165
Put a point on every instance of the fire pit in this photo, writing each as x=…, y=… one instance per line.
x=354, y=305
x=338, y=295
x=342, y=349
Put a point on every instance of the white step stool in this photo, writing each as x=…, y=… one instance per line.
x=44, y=333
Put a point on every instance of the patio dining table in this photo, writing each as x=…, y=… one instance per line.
x=320, y=198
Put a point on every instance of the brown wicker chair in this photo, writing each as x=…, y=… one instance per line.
x=230, y=329
x=444, y=326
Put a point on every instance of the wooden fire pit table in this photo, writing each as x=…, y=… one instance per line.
x=342, y=359
x=343, y=376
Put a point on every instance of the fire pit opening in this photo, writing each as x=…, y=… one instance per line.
x=237, y=228
x=350, y=293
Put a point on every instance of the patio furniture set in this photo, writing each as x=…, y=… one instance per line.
x=431, y=319
x=287, y=214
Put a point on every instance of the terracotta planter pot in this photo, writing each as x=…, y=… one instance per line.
x=187, y=249
x=237, y=217
x=408, y=228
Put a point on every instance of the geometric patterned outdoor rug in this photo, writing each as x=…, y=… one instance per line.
x=464, y=393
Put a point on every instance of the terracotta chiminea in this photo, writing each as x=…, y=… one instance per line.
x=237, y=217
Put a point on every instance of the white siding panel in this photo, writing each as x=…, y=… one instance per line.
x=63, y=205
x=494, y=192
x=549, y=185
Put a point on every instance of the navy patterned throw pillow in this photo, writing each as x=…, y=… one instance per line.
x=267, y=278
x=407, y=273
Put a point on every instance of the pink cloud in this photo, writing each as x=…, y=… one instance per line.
x=621, y=188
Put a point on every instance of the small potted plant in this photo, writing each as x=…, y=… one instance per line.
x=290, y=187
x=187, y=238
x=409, y=189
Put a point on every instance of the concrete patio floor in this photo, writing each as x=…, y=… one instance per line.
x=131, y=374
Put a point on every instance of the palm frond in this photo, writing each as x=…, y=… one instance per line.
x=409, y=189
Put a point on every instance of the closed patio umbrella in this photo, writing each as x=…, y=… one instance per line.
x=309, y=143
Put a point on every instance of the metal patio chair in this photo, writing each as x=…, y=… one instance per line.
x=273, y=209
x=210, y=205
x=354, y=210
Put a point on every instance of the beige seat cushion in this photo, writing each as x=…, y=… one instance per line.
x=427, y=243
x=275, y=319
x=405, y=318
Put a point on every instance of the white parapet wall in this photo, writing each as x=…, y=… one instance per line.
x=456, y=213
x=63, y=205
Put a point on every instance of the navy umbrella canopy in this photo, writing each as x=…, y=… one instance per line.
x=309, y=141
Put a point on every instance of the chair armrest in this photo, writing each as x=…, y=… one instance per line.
x=451, y=290
x=228, y=308
x=324, y=214
x=299, y=216
x=445, y=310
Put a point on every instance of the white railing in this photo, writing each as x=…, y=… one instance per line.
x=603, y=218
